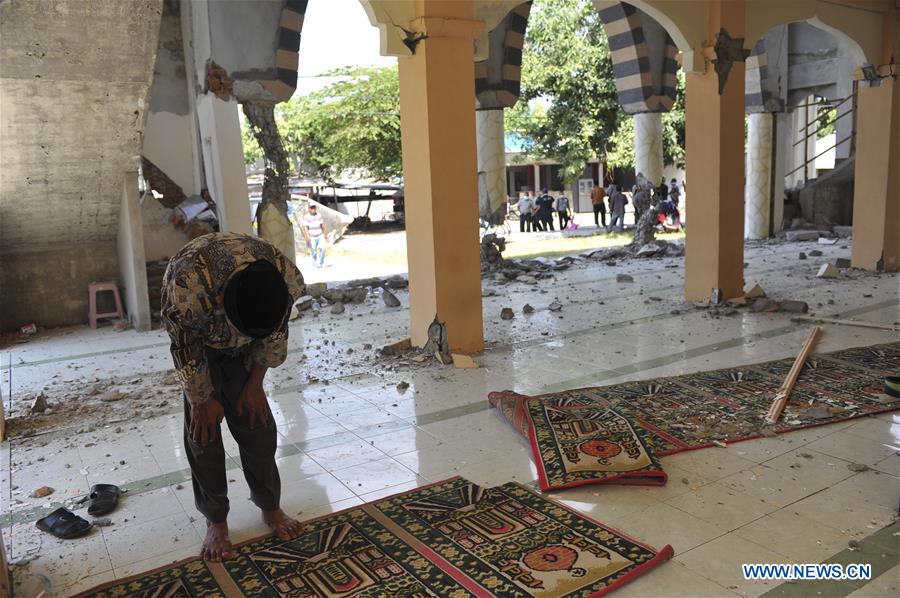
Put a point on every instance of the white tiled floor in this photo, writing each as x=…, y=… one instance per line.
x=358, y=437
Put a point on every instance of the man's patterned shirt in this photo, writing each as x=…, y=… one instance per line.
x=194, y=316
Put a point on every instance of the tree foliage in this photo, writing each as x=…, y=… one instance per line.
x=569, y=109
x=350, y=126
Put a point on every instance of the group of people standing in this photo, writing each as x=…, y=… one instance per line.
x=668, y=197
x=536, y=214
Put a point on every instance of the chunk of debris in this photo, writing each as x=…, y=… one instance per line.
x=624, y=278
x=716, y=297
x=304, y=303
x=824, y=241
x=762, y=304
x=841, y=262
x=390, y=299
x=857, y=467
x=39, y=405
x=337, y=308
x=356, y=294
x=111, y=396
x=396, y=282
x=801, y=235
x=853, y=545
x=754, y=291
x=316, y=289
x=506, y=313
x=649, y=250
x=463, y=362
x=527, y=309
x=42, y=492
x=799, y=307
x=102, y=522
x=397, y=348
x=555, y=306
x=527, y=279
x=828, y=271
x=29, y=329
x=737, y=301
x=120, y=325
x=402, y=386
x=842, y=231
x=802, y=256
x=815, y=253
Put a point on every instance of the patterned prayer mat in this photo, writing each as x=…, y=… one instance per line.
x=574, y=444
x=450, y=539
x=698, y=410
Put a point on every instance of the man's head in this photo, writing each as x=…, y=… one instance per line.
x=256, y=299
x=312, y=208
x=674, y=181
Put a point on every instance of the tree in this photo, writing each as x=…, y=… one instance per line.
x=350, y=125
x=568, y=108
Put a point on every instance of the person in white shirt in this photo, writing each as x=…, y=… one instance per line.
x=524, y=206
x=562, y=211
x=314, y=230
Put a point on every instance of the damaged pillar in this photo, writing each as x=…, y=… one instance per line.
x=876, y=187
x=491, y=161
x=714, y=123
x=648, y=148
x=437, y=84
x=272, y=214
x=758, y=186
x=132, y=263
x=223, y=162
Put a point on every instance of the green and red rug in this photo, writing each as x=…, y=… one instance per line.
x=613, y=434
x=450, y=539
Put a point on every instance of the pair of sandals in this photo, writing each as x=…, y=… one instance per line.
x=65, y=525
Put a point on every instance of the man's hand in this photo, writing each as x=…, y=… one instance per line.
x=253, y=399
x=205, y=419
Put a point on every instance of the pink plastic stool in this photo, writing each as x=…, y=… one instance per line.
x=98, y=287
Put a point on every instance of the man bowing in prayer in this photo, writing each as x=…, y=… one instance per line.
x=226, y=299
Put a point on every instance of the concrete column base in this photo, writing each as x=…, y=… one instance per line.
x=491, y=161
x=132, y=263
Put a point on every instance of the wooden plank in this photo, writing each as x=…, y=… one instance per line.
x=876, y=326
x=784, y=393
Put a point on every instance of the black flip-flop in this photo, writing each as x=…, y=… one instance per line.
x=104, y=498
x=892, y=385
x=64, y=524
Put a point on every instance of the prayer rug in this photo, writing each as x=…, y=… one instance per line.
x=449, y=539
x=575, y=444
x=698, y=410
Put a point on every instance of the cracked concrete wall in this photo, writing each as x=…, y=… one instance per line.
x=74, y=78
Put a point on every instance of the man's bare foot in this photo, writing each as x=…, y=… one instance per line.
x=286, y=528
x=216, y=545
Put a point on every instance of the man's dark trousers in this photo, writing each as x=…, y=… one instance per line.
x=524, y=221
x=257, y=447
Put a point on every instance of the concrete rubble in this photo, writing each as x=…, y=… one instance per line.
x=828, y=271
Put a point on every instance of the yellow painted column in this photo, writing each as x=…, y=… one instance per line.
x=437, y=100
x=876, y=187
x=714, y=164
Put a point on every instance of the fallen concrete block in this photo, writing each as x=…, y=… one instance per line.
x=815, y=253
x=754, y=291
x=555, y=306
x=507, y=313
x=648, y=250
x=397, y=348
x=390, y=299
x=337, y=308
x=828, y=271
x=799, y=307
x=316, y=289
x=802, y=256
x=824, y=241
x=843, y=232
x=527, y=309
x=841, y=262
x=801, y=235
x=303, y=303
x=624, y=278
